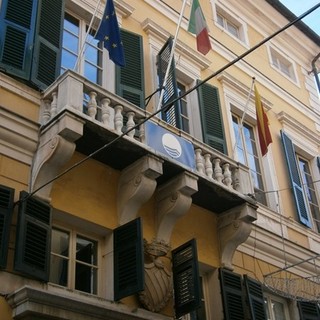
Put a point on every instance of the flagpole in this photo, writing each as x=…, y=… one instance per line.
x=171, y=55
x=243, y=115
x=85, y=39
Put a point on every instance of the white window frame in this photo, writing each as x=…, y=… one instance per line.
x=268, y=300
x=107, y=66
x=278, y=60
x=230, y=19
x=73, y=233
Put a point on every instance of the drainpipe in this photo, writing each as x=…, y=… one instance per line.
x=315, y=71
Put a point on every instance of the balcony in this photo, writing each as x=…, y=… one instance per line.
x=112, y=130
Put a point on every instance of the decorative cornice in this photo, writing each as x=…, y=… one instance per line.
x=18, y=136
x=286, y=120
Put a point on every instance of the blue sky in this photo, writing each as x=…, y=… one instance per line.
x=298, y=7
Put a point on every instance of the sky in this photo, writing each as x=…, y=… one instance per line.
x=299, y=7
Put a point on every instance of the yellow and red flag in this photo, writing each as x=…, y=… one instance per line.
x=263, y=124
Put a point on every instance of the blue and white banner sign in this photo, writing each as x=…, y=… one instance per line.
x=169, y=144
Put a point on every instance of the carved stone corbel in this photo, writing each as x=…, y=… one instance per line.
x=173, y=200
x=234, y=227
x=136, y=185
x=56, y=146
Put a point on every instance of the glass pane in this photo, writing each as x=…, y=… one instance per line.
x=86, y=250
x=60, y=242
x=86, y=278
x=70, y=42
x=71, y=24
x=232, y=29
x=220, y=20
x=92, y=55
x=92, y=73
x=59, y=270
x=278, y=310
x=68, y=60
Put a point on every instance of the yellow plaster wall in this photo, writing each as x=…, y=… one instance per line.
x=5, y=310
x=88, y=191
x=19, y=104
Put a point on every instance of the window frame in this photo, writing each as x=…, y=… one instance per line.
x=257, y=155
x=73, y=234
x=268, y=298
x=278, y=59
x=314, y=201
x=228, y=19
x=83, y=24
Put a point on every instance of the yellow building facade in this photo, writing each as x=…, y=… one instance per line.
x=113, y=207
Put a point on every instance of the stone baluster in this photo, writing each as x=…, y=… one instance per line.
x=130, y=123
x=208, y=165
x=92, y=105
x=236, y=179
x=54, y=105
x=46, y=111
x=227, y=175
x=118, y=118
x=199, y=161
x=218, y=175
x=106, y=112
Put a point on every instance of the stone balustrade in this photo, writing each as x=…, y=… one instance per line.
x=73, y=92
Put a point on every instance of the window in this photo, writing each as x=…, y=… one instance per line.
x=246, y=147
x=276, y=308
x=309, y=189
x=228, y=25
x=27, y=37
x=183, y=108
x=232, y=25
x=74, y=261
x=282, y=64
x=90, y=62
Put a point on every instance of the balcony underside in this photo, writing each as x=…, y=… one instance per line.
x=211, y=195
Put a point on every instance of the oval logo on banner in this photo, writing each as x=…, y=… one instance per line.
x=171, y=145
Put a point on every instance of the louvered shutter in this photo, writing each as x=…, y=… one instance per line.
x=211, y=119
x=47, y=47
x=17, y=24
x=255, y=298
x=308, y=310
x=296, y=183
x=128, y=259
x=186, y=280
x=130, y=79
x=33, y=241
x=232, y=295
x=172, y=114
x=6, y=208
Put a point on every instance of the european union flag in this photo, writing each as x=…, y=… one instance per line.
x=109, y=33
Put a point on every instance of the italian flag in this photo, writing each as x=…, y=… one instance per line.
x=198, y=26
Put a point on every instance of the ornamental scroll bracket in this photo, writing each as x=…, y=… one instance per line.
x=234, y=228
x=136, y=186
x=56, y=147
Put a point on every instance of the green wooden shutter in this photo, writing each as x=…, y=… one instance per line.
x=308, y=310
x=186, y=280
x=130, y=79
x=33, y=241
x=296, y=183
x=171, y=115
x=211, y=119
x=255, y=298
x=17, y=23
x=47, y=48
x=6, y=208
x=232, y=295
x=128, y=259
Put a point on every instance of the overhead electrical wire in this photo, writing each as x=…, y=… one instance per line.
x=169, y=104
